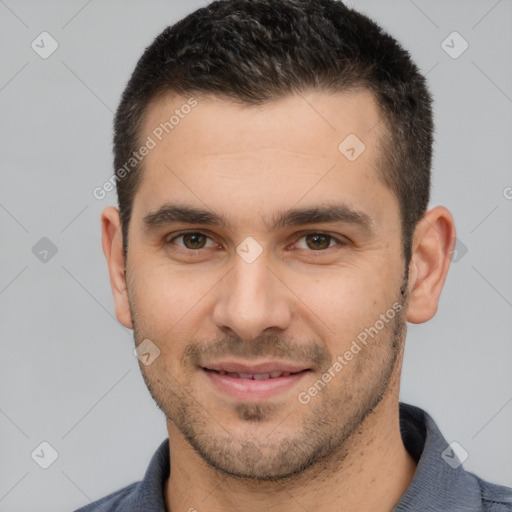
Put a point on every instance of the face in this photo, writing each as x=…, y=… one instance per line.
x=265, y=263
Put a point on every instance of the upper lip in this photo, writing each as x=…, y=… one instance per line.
x=265, y=367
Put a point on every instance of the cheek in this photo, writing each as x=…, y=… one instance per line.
x=168, y=303
x=344, y=302
x=157, y=288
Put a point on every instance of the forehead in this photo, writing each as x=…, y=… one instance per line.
x=314, y=121
x=310, y=147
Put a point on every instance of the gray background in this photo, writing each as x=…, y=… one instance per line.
x=67, y=370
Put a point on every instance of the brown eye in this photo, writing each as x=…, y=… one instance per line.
x=191, y=241
x=317, y=241
x=194, y=240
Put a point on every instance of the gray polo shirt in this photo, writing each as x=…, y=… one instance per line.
x=440, y=483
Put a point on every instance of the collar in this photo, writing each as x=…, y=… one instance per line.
x=436, y=485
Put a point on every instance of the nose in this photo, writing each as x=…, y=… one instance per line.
x=252, y=299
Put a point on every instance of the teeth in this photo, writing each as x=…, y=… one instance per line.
x=255, y=376
x=261, y=376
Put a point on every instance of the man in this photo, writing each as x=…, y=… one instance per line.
x=272, y=240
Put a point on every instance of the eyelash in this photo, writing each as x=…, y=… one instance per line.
x=340, y=242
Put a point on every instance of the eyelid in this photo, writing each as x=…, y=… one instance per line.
x=188, y=232
x=340, y=242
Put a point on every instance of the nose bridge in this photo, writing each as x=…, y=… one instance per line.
x=251, y=279
x=251, y=299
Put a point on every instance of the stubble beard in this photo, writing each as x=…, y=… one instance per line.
x=323, y=433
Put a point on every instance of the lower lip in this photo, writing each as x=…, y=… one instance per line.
x=251, y=389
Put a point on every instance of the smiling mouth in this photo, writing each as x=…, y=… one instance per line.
x=254, y=376
x=254, y=384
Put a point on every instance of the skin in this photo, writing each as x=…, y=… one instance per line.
x=295, y=302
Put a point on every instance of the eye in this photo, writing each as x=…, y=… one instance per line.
x=319, y=241
x=192, y=240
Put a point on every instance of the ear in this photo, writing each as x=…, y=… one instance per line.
x=112, y=242
x=433, y=244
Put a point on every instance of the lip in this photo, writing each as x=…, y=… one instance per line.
x=251, y=390
x=265, y=367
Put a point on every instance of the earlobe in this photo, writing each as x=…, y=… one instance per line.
x=434, y=240
x=112, y=242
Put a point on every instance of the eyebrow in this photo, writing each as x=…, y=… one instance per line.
x=339, y=213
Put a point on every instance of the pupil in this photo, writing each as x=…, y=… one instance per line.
x=193, y=238
x=316, y=239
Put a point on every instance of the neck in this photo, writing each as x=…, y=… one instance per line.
x=370, y=472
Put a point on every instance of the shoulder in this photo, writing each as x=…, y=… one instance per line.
x=495, y=498
x=118, y=501
x=144, y=496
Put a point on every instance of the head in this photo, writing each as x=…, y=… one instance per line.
x=298, y=161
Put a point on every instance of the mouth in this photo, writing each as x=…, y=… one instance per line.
x=255, y=376
x=253, y=382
